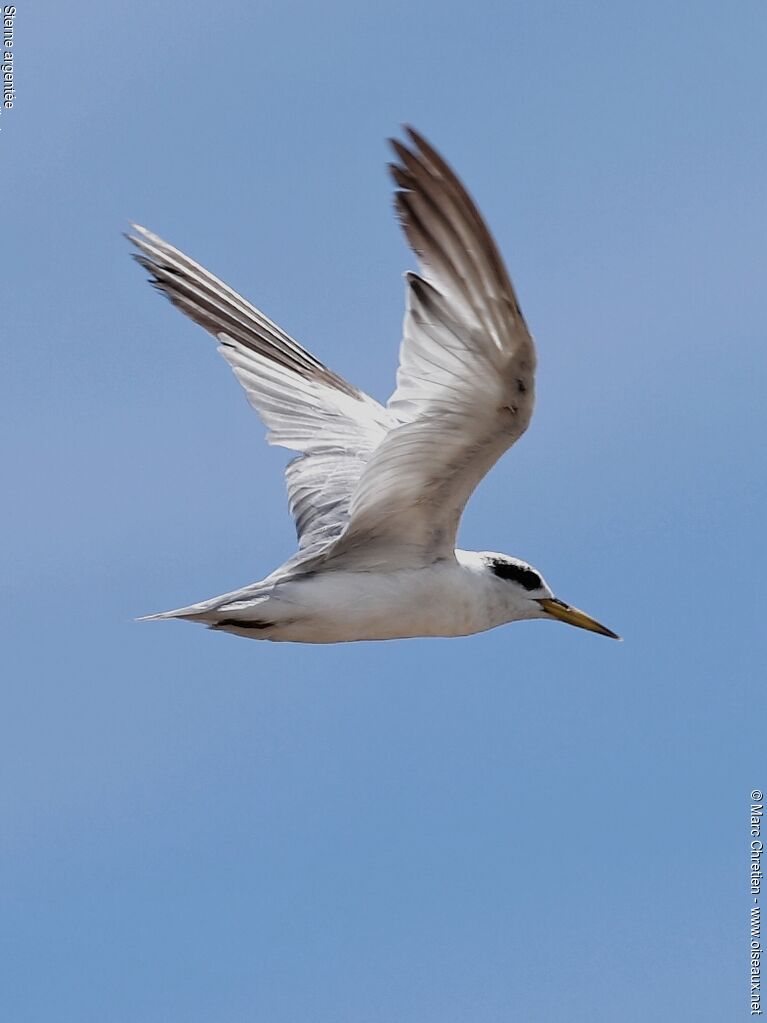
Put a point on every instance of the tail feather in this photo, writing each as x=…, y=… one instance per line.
x=238, y=604
x=192, y=614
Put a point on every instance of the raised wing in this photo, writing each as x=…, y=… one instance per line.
x=465, y=382
x=305, y=406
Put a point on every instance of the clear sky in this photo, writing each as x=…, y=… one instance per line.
x=535, y=824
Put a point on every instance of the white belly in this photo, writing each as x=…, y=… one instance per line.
x=337, y=607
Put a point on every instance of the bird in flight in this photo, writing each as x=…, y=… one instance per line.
x=377, y=492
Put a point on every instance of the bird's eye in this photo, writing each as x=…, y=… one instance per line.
x=524, y=576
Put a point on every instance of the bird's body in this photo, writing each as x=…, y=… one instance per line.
x=456, y=597
x=377, y=492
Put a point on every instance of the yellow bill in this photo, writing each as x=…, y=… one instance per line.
x=572, y=616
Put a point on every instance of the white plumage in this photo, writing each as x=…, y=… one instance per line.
x=377, y=493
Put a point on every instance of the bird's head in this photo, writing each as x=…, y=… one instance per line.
x=529, y=595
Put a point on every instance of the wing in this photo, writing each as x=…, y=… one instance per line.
x=305, y=406
x=465, y=381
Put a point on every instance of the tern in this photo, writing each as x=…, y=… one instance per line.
x=377, y=492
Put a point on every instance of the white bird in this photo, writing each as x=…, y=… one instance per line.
x=377, y=492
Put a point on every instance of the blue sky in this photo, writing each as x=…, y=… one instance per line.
x=534, y=824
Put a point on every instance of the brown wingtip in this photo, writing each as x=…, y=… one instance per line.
x=413, y=135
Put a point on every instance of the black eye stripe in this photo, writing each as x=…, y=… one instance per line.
x=524, y=576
